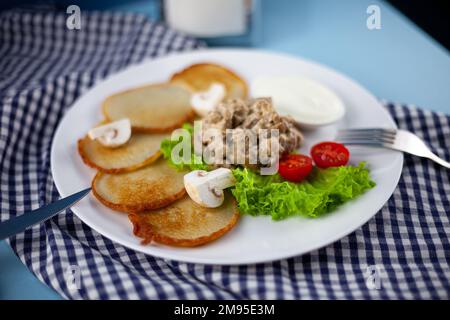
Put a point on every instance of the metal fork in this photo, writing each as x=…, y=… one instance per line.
x=400, y=140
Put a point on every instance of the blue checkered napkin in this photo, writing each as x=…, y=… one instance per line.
x=403, y=252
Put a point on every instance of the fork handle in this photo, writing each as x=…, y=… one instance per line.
x=438, y=160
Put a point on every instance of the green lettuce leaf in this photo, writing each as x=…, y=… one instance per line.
x=322, y=192
x=196, y=162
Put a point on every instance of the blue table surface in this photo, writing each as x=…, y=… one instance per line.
x=399, y=63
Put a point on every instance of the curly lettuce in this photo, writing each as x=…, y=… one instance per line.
x=322, y=192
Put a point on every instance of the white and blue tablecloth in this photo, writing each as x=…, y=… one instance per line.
x=403, y=252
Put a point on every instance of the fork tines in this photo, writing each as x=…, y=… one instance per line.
x=367, y=136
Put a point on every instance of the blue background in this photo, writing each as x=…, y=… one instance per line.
x=398, y=63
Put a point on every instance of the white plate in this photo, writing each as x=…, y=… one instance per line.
x=254, y=239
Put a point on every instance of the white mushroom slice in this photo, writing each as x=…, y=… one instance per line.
x=112, y=134
x=206, y=188
x=204, y=101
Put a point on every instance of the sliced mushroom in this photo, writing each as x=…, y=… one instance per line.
x=206, y=188
x=112, y=134
x=204, y=101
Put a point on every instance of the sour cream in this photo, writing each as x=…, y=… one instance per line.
x=309, y=102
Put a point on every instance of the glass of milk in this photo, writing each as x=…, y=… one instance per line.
x=218, y=22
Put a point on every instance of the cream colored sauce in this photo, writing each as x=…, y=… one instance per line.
x=309, y=102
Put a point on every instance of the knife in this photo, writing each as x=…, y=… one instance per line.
x=18, y=224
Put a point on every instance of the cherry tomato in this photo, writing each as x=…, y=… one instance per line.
x=295, y=167
x=330, y=154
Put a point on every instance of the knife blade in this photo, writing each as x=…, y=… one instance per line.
x=18, y=224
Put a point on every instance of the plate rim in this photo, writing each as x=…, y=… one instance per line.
x=207, y=261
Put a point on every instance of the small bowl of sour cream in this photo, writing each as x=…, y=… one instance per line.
x=310, y=103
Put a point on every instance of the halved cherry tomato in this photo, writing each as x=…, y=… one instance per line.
x=295, y=167
x=330, y=154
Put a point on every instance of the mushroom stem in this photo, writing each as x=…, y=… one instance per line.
x=206, y=188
